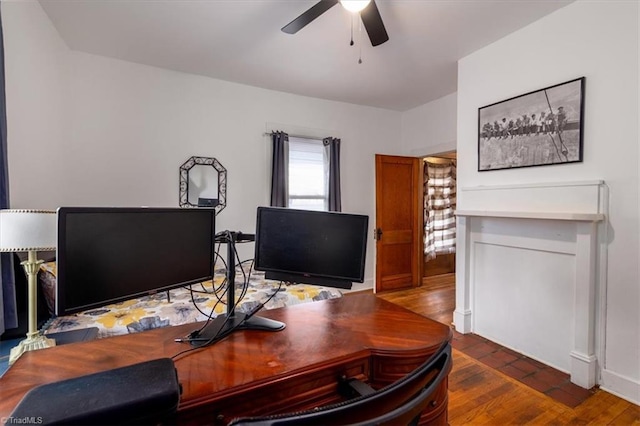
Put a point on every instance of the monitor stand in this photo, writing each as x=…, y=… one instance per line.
x=224, y=324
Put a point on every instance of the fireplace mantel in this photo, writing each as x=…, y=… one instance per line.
x=583, y=360
x=578, y=217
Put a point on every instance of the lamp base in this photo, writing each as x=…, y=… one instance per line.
x=31, y=343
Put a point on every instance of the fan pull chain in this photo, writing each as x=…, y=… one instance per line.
x=352, y=18
x=360, y=40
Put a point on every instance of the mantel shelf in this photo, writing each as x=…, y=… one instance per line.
x=578, y=217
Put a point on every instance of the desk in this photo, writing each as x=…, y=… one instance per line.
x=258, y=372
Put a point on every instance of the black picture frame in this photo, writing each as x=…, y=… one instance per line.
x=512, y=135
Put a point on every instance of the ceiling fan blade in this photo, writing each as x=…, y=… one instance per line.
x=373, y=23
x=308, y=16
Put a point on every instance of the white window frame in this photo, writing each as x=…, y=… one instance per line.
x=315, y=143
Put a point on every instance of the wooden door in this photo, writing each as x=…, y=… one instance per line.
x=398, y=222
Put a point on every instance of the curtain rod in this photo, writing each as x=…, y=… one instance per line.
x=296, y=136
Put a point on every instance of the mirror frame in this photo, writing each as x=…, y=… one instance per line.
x=184, y=181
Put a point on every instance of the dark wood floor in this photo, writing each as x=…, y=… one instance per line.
x=480, y=394
x=436, y=299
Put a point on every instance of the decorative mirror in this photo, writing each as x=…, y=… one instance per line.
x=203, y=183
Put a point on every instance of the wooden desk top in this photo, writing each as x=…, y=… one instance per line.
x=317, y=335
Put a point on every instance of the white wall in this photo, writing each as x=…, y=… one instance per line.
x=560, y=47
x=123, y=129
x=430, y=128
x=36, y=62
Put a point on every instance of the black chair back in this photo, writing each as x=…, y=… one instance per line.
x=401, y=402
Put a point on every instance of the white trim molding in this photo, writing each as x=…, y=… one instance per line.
x=578, y=217
x=585, y=223
x=621, y=386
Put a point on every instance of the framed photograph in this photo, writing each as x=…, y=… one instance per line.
x=535, y=129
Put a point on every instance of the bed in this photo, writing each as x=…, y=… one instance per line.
x=179, y=306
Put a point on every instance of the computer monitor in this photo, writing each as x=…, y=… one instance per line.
x=107, y=255
x=304, y=246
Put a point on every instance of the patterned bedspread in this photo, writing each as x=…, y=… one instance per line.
x=187, y=304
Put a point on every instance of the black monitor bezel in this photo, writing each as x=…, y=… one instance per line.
x=311, y=278
x=60, y=300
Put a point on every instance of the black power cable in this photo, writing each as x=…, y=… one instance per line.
x=245, y=287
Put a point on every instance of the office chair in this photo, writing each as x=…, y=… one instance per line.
x=401, y=402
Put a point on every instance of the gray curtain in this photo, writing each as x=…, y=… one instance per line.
x=279, y=169
x=335, y=197
x=8, y=313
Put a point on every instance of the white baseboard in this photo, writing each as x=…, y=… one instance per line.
x=621, y=386
x=583, y=369
x=462, y=321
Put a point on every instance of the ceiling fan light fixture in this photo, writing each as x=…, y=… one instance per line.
x=366, y=10
x=354, y=6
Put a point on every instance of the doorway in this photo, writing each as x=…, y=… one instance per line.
x=398, y=222
x=402, y=186
x=439, y=222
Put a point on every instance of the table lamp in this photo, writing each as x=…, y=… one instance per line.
x=30, y=231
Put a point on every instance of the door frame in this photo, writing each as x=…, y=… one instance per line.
x=446, y=155
x=437, y=151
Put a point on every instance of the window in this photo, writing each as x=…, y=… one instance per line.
x=305, y=172
x=308, y=174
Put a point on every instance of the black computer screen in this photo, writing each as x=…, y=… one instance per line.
x=325, y=248
x=106, y=255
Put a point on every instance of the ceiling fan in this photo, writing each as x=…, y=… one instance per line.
x=367, y=9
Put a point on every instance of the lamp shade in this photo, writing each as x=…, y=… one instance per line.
x=25, y=230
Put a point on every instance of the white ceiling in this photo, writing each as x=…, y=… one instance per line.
x=241, y=41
